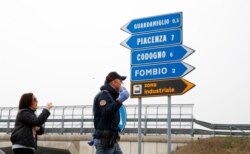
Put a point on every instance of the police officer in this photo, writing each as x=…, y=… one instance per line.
x=106, y=114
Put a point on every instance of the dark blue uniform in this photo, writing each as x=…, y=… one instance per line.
x=106, y=109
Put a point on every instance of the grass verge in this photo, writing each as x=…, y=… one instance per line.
x=216, y=145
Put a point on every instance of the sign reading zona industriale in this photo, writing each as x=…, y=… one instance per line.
x=160, y=88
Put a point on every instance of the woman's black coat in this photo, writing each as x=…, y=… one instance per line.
x=26, y=119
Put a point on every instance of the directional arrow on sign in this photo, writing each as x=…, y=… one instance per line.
x=149, y=40
x=154, y=23
x=160, y=88
x=159, y=55
x=160, y=71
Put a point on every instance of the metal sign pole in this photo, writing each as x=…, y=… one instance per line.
x=169, y=125
x=139, y=125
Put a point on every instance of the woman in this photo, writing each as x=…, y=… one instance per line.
x=28, y=125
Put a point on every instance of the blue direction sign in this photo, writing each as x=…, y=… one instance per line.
x=160, y=71
x=154, y=23
x=159, y=55
x=169, y=37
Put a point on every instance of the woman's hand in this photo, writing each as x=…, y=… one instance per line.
x=49, y=105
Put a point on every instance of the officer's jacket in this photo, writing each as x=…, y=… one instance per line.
x=106, y=109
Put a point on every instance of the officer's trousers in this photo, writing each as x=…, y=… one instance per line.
x=99, y=148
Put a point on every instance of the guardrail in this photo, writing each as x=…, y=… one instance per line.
x=79, y=119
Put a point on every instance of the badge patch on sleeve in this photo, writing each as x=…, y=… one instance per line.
x=102, y=102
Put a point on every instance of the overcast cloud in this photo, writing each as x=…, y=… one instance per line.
x=62, y=50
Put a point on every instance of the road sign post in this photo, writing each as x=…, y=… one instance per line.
x=139, y=124
x=169, y=125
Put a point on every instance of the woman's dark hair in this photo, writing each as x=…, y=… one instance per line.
x=25, y=100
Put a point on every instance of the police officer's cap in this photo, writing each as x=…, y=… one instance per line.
x=114, y=75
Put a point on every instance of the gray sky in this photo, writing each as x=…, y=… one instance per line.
x=62, y=50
